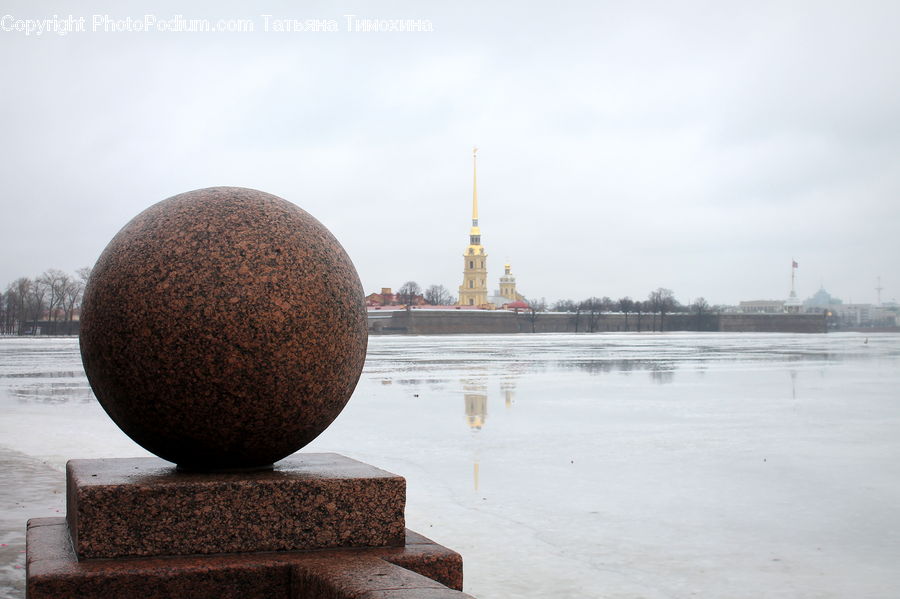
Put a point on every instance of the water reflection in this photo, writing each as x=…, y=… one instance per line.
x=62, y=374
x=508, y=390
x=44, y=371
x=660, y=371
x=548, y=385
x=52, y=392
x=475, y=396
x=662, y=376
x=660, y=356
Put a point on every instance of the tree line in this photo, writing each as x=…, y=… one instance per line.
x=53, y=299
x=659, y=303
x=434, y=295
x=44, y=304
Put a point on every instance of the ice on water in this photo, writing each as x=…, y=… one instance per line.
x=676, y=465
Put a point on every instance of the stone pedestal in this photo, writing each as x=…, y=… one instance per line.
x=144, y=507
x=317, y=526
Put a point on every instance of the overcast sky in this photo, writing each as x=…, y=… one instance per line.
x=623, y=146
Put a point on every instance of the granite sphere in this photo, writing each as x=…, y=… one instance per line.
x=223, y=328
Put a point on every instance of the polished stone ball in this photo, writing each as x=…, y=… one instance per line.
x=223, y=328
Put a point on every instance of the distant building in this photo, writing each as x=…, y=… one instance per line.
x=517, y=305
x=863, y=315
x=762, y=307
x=507, y=293
x=473, y=293
x=821, y=299
x=508, y=286
x=851, y=315
x=791, y=305
x=385, y=298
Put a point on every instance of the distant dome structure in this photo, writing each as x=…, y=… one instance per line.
x=822, y=299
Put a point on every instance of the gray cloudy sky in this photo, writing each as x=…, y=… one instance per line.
x=624, y=146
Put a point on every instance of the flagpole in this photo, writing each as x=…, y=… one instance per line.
x=793, y=270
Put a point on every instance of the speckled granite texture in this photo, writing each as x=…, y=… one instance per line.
x=143, y=507
x=223, y=328
x=421, y=570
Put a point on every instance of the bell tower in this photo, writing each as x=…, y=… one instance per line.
x=474, y=291
x=508, y=285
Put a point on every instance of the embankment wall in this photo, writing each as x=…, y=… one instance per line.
x=772, y=323
x=443, y=322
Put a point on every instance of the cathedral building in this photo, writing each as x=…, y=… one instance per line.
x=474, y=289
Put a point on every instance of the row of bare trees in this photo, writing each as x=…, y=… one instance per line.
x=659, y=303
x=649, y=314
x=45, y=304
x=435, y=295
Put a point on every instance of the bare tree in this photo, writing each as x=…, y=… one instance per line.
x=534, y=309
x=626, y=305
x=662, y=301
x=35, y=303
x=56, y=282
x=17, y=307
x=700, y=306
x=83, y=274
x=701, y=310
x=408, y=293
x=4, y=313
x=55, y=296
x=592, y=306
x=606, y=306
x=567, y=305
x=437, y=295
x=563, y=305
x=73, y=295
x=7, y=307
x=640, y=308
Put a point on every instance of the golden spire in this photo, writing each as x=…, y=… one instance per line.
x=474, y=188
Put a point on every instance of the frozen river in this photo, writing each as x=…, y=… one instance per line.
x=574, y=466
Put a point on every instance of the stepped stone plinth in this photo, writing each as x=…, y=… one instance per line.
x=224, y=329
x=125, y=507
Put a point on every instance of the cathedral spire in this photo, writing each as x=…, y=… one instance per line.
x=473, y=291
x=474, y=188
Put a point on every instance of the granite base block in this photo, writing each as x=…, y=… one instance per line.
x=421, y=569
x=141, y=507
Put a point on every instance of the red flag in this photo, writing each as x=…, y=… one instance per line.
x=794, y=264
